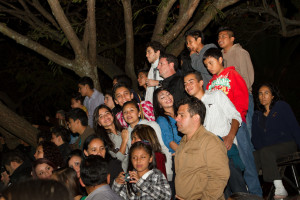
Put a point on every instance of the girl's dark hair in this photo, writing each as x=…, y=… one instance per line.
x=68, y=177
x=147, y=147
x=88, y=141
x=133, y=103
x=157, y=109
x=275, y=92
x=145, y=132
x=76, y=152
x=52, y=153
x=41, y=161
x=77, y=96
x=100, y=130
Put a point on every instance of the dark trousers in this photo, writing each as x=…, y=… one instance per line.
x=236, y=182
x=266, y=157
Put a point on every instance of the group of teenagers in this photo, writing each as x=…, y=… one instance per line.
x=193, y=134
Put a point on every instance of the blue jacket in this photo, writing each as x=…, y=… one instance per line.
x=280, y=126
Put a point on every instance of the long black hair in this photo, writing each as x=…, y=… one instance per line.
x=100, y=130
x=274, y=91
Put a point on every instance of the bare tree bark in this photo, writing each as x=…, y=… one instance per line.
x=129, y=63
x=19, y=127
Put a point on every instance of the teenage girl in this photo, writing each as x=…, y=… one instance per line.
x=132, y=115
x=108, y=127
x=144, y=181
x=143, y=132
x=94, y=145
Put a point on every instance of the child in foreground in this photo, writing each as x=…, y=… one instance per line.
x=144, y=181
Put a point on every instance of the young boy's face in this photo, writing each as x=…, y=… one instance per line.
x=224, y=40
x=193, y=44
x=151, y=55
x=214, y=65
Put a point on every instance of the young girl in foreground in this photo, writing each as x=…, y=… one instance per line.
x=146, y=182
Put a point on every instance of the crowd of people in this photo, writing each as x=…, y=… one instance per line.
x=191, y=134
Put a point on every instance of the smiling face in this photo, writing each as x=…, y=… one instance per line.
x=193, y=44
x=265, y=96
x=191, y=85
x=225, y=41
x=214, y=65
x=131, y=114
x=151, y=55
x=43, y=171
x=140, y=160
x=74, y=163
x=105, y=118
x=122, y=95
x=39, y=153
x=165, y=99
x=96, y=147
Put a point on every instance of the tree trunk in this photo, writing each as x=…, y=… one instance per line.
x=18, y=126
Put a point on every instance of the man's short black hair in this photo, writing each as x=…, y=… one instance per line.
x=197, y=75
x=93, y=170
x=86, y=81
x=13, y=156
x=156, y=46
x=195, y=34
x=212, y=52
x=78, y=113
x=171, y=59
x=123, y=79
x=196, y=107
x=62, y=132
x=226, y=28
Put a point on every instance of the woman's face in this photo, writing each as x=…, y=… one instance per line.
x=74, y=163
x=131, y=114
x=39, y=153
x=142, y=77
x=105, y=118
x=43, y=171
x=265, y=96
x=165, y=99
x=96, y=147
x=108, y=101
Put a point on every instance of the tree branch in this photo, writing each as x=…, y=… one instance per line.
x=25, y=41
x=180, y=24
x=92, y=53
x=161, y=20
x=67, y=28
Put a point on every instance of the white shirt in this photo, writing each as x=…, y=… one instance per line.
x=150, y=90
x=219, y=113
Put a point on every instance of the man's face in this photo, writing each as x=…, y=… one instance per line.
x=214, y=65
x=73, y=125
x=193, y=44
x=151, y=55
x=122, y=95
x=82, y=89
x=224, y=40
x=164, y=67
x=191, y=85
x=184, y=120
